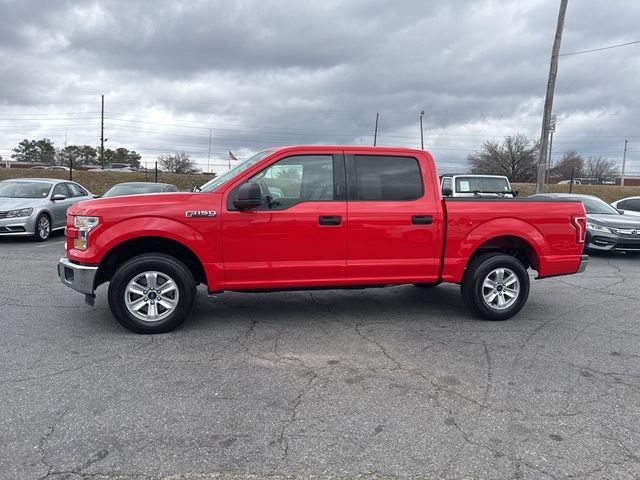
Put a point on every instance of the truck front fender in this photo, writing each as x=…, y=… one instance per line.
x=204, y=242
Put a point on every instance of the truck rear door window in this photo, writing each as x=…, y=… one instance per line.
x=387, y=178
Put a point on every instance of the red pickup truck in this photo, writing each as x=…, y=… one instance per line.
x=310, y=217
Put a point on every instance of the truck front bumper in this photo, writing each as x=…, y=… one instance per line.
x=79, y=277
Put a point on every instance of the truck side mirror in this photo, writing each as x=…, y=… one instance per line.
x=249, y=196
x=447, y=192
x=514, y=193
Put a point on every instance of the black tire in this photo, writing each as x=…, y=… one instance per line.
x=160, y=267
x=427, y=285
x=483, y=269
x=43, y=232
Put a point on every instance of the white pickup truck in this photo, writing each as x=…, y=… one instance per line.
x=476, y=186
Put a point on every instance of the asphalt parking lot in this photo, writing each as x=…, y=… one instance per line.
x=378, y=383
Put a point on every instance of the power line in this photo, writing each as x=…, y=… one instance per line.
x=599, y=49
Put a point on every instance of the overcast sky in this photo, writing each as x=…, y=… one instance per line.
x=262, y=73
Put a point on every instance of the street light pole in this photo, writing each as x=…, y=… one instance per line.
x=375, y=132
x=421, y=131
x=102, y=135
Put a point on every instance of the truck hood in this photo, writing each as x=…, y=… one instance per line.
x=151, y=202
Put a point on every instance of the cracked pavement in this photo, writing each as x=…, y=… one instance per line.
x=367, y=384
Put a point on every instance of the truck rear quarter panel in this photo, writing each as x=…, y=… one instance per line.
x=546, y=226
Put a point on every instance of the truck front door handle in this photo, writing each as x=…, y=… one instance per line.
x=330, y=220
x=422, y=219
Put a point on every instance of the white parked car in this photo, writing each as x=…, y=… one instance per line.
x=629, y=205
x=575, y=181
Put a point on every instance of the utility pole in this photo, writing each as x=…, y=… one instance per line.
x=624, y=162
x=548, y=102
x=421, y=131
x=209, y=158
x=102, y=135
x=375, y=133
x=552, y=129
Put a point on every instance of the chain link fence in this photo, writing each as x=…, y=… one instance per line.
x=607, y=190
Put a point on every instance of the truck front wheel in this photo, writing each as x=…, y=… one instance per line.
x=152, y=293
x=495, y=286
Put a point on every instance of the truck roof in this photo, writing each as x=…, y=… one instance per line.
x=359, y=148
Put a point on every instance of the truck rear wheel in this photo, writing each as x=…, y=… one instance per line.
x=152, y=293
x=495, y=286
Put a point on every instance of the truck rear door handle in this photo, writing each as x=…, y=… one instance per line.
x=330, y=220
x=422, y=219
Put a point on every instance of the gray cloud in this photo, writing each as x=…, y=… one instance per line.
x=265, y=73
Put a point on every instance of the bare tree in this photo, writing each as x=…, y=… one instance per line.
x=515, y=157
x=180, y=162
x=571, y=161
x=601, y=168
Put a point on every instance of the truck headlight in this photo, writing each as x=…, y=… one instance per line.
x=84, y=225
x=598, y=228
x=23, y=212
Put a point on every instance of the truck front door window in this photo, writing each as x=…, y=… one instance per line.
x=294, y=180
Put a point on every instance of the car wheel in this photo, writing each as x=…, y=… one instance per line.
x=152, y=293
x=495, y=286
x=43, y=228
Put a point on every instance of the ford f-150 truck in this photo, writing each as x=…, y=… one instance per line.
x=311, y=217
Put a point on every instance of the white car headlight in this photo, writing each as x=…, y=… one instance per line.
x=84, y=225
x=23, y=212
x=598, y=228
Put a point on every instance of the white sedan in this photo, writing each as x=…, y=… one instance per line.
x=629, y=205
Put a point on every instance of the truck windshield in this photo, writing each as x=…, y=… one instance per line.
x=482, y=184
x=220, y=180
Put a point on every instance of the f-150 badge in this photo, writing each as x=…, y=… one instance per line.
x=199, y=213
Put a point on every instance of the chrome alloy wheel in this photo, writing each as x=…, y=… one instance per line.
x=151, y=296
x=500, y=288
x=44, y=227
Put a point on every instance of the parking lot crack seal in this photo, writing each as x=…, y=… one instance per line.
x=293, y=414
x=398, y=365
x=43, y=441
x=467, y=438
x=489, y=375
x=596, y=290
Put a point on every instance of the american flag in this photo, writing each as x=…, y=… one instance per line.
x=232, y=156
